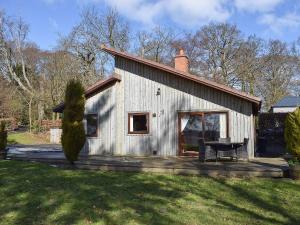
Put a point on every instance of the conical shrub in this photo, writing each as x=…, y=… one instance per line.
x=3, y=136
x=292, y=133
x=73, y=134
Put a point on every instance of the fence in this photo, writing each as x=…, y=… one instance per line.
x=270, y=135
x=46, y=125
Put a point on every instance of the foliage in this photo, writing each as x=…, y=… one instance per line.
x=190, y=147
x=73, y=136
x=294, y=162
x=26, y=138
x=3, y=136
x=33, y=193
x=292, y=132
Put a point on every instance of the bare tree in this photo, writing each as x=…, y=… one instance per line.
x=13, y=35
x=85, y=41
x=59, y=68
x=295, y=81
x=156, y=44
x=248, y=63
x=221, y=44
x=190, y=43
x=212, y=51
x=278, y=69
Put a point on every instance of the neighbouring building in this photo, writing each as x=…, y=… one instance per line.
x=286, y=105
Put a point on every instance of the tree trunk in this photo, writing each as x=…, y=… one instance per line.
x=40, y=111
x=30, y=114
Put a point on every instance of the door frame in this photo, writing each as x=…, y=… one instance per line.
x=202, y=113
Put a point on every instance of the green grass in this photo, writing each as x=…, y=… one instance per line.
x=25, y=138
x=32, y=193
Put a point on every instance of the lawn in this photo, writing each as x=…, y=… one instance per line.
x=25, y=138
x=33, y=193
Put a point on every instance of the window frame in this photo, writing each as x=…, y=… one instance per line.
x=138, y=114
x=97, y=130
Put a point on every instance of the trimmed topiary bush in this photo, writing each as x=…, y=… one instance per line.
x=292, y=133
x=73, y=134
x=3, y=136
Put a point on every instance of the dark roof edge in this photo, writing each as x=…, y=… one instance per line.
x=92, y=90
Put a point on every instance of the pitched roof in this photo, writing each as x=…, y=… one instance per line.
x=288, y=101
x=101, y=84
x=92, y=90
x=188, y=76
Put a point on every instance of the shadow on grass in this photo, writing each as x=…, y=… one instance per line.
x=39, y=194
x=263, y=201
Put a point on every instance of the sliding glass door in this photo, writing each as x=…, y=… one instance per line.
x=193, y=126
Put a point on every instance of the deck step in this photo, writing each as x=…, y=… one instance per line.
x=206, y=169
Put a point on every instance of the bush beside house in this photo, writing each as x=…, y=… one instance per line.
x=3, y=140
x=292, y=138
x=73, y=134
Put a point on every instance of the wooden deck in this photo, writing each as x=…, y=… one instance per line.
x=258, y=167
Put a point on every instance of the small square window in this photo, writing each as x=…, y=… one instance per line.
x=138, y=123
x=91, y=125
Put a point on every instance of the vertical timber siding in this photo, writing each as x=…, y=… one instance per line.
x=137, y=93
x=103, y=104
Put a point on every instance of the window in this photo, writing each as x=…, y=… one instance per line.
x=91, y=125
x=215, y=126
x=138, y=123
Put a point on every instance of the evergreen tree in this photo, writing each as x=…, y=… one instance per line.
x=73, y=135
x=3, y=136
x=292, y=133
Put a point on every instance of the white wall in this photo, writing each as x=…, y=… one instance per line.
x=283, y=109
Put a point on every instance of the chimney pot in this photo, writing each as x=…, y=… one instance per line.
x=181, y=61
x=181, y=52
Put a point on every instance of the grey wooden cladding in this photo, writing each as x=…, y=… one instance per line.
x=103, y=104
x=137, y=92
x=139, y=86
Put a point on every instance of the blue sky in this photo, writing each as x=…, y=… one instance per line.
x=276, y=19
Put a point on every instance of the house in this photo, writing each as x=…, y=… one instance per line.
x=147, y=108
x=286, y=105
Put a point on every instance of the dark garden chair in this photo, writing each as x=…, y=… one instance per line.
x=228, y=151
x=242, y=151
x=206, y=152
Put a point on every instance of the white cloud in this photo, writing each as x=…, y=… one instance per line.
x=184, y=12
x=257, y=5
x=50, y=2
x=278, y=24
x=195, y=12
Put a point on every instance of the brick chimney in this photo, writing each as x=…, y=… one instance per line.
x=181, y=61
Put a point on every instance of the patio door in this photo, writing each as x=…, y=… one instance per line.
x=193, y=126
x=190, y=132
